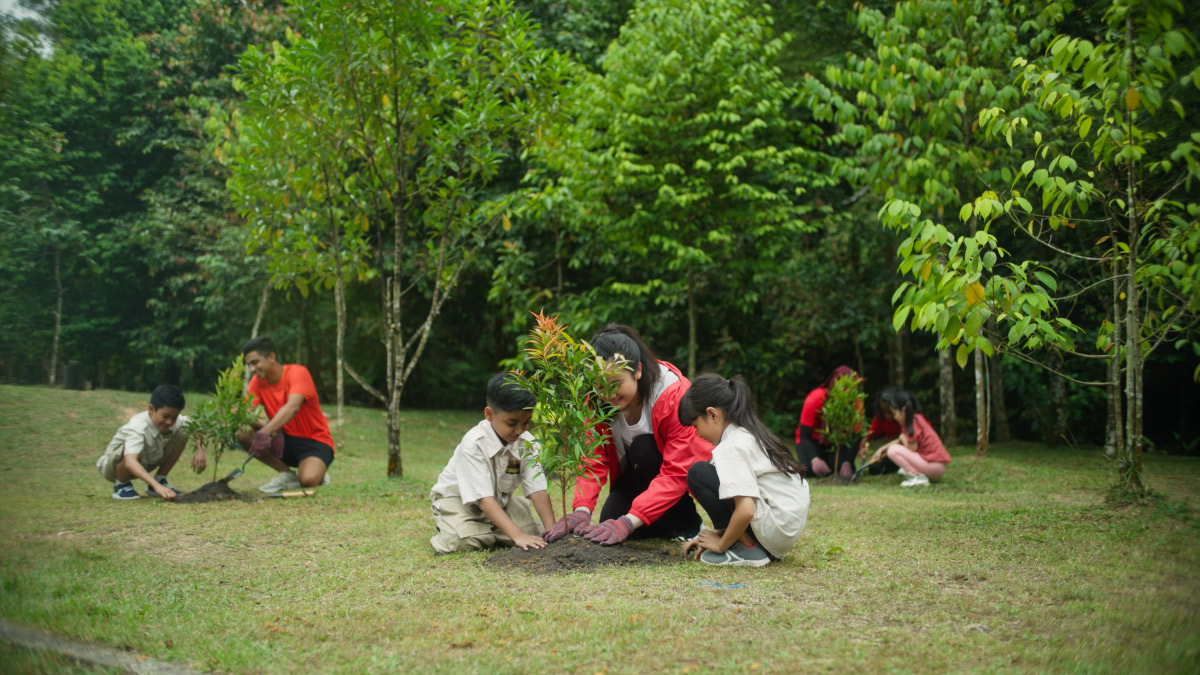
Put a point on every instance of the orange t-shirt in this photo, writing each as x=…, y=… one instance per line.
x=309, y=422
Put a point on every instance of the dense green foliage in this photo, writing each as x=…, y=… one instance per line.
x=747, y=185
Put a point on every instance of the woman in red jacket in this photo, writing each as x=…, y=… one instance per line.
x=647, y=456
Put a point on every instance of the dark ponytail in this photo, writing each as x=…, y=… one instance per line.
x=733, y=398
x=617, y=341
x=908, y=402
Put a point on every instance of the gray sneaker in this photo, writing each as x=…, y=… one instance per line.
x=284, y=480
x=741, y=556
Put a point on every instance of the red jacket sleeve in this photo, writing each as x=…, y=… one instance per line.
x=680, y=448
x=599, y=466
x=810, y=414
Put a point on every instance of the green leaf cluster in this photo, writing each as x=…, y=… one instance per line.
x=216, y=425
x=844, y=419
x=570, y=383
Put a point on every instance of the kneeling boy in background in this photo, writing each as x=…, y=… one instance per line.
x=473, y=505
x=150, y=441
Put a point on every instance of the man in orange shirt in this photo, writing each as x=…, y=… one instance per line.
x=296, y=433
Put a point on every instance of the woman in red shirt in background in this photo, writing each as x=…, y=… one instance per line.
x=814, y=452
x=919, y=451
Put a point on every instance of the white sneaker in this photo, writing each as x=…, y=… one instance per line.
x=325, y=479
x=904, y=473
x=916, y=481
x=284, y=480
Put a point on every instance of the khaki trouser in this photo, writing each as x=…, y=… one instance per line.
x=463, y=527
x=150, y=457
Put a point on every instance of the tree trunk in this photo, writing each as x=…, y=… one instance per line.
x=395, y=338
x=262, y=309
x=999, y=409
x=1131, y=466
x=1117, y=449
x=949, y=421
x=339, y=301
x=1056, y=430
x=896, y=360
x=981, y=407
x=691, y=294
x=57, y=315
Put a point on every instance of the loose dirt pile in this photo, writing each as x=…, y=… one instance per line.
x=212, y=492
x=576, y=554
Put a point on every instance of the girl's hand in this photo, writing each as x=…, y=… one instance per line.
x=708, y=540
x=879, y=454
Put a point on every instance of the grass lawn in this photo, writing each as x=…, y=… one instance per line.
x=1013, y=563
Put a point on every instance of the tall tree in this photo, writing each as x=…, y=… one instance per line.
x=689, y=170
x=909, y=110
x=1114, y=154
x=424, y=101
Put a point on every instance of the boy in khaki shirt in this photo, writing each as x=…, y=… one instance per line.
x=473, y=505
x=150, y=441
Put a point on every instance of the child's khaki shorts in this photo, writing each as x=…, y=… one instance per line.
x=150, y=457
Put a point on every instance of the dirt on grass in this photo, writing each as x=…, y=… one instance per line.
x=576, y=554
x=218, y=491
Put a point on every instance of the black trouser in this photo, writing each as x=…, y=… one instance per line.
x=808, y=450
x=643, y=462
x=706, y=487
x=885, y=465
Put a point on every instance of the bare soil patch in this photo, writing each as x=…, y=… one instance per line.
x=218, y=491
x=576, y=554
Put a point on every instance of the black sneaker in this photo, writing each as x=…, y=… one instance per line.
x=124, y=491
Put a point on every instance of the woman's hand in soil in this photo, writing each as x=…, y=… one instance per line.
x=610, y=532
x=199, y=460
x=528, y=541
x=573, y=522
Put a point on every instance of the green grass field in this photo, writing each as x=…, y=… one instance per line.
x=1013, y=563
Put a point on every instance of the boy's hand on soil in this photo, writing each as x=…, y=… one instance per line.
x=166, y=493
x=573, y=522
x=610, y=532
x=528, y=541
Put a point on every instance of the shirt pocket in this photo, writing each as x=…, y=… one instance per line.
x=508, y=483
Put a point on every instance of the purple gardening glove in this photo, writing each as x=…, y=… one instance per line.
x=819, y=467
x=264, y=445
x=572, y=522
x=610, y=532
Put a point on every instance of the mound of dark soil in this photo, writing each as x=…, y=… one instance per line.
x=212, y=492
x=576, y=554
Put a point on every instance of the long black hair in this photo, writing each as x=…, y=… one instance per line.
x=885, y=402
x=906, y=401
x=733, y=398
x=622, y=342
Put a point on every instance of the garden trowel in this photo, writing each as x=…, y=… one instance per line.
x=238, y=471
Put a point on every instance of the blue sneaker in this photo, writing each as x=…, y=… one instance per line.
x=162, y=480
x=124, y=491
x=739, y=555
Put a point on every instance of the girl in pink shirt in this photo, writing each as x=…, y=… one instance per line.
x=919, y=451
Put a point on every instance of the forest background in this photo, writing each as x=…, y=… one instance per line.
x=140, y=244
